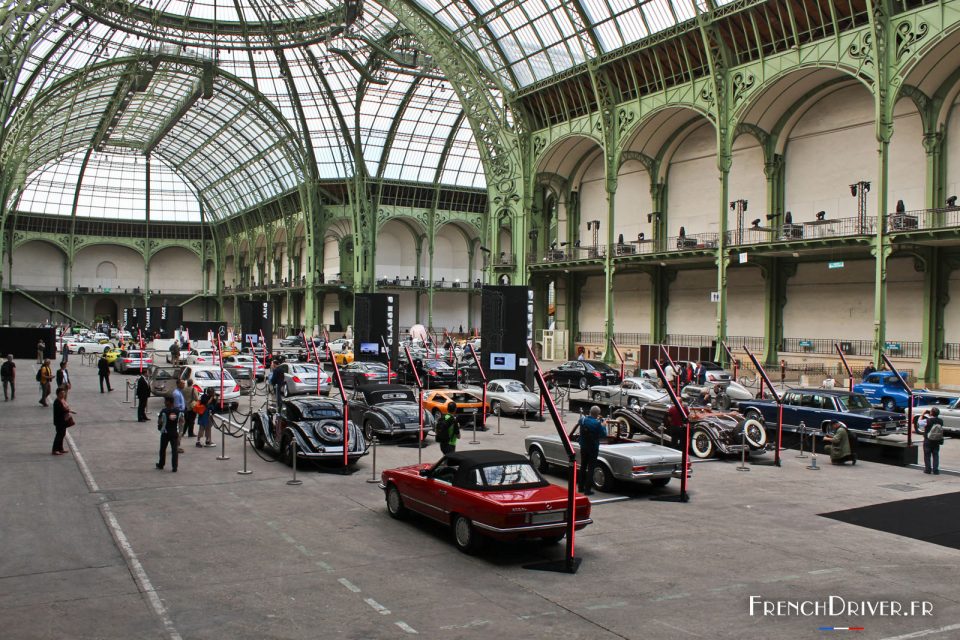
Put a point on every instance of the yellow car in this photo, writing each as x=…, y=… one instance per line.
x=111, y=354
x=343, y=357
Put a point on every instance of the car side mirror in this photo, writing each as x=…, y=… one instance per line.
x=424, y=473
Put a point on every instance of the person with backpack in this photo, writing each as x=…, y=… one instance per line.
x=175, y=353
x=8, y=373
x=204, y=408
x=169, y=423
x=592, y=431
x=447, y=430
x=930, y=425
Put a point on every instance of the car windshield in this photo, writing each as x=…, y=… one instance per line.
x=211, y=374
x=516, y=387
x=437, y=364
x=373, y=366
x=319, y=412
x=599, y=366
x=854, y=402
x=510, y=476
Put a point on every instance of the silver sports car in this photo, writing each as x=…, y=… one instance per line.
x=632, y=393
x=505, y=396
x=620, y=459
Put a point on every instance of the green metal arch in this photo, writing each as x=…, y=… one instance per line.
x=566, y=136
x=635, y=127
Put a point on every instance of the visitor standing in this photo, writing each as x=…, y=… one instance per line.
x=8, y=374
x=277, y=379
x=191, y=396
x=44, y=377
x=62, y=420
x=63, y=377
x=143, y=394
x=447, y=430
x=41, y=351
x=168, y=424
x=930, y=425
x=180, y=404
x=103, y=371
x=591, y=431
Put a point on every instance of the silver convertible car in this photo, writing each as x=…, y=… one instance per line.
x=632, y=393
x=505, y=396
x=620, y=459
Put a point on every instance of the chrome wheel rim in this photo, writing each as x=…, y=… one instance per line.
x=393, y=500
x=463, y=532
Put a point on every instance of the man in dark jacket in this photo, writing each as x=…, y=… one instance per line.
x=103, y=370
x=448, y=429
x=8, y=373
x=143, y=394
x=169, y=423
x=278, y=380
x=63, y=377
x=930, y=425
x=591, y=431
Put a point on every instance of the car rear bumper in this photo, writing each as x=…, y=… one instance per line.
x=558, y=527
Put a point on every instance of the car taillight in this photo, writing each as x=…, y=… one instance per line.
x=200, y=359
x=127, y=360
x=369, y=375
x=236, y=388
x=433, y=372
x=297, y=379
x=596, y=374
x=393, y=375
x=639, y=469
x=198, y=389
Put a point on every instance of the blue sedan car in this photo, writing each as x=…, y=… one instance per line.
x=814, y=406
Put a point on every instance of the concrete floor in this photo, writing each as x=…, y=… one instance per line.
x=99, y=544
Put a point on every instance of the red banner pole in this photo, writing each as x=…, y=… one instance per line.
x=253, y=351
x=483, y=375
x=571, y=561
x=846, y=366
x=419, y=403
x=264, y=341
x=616, y=349
x=777, y=397
x=909, y=393
x=346, y=406
x=220, y=359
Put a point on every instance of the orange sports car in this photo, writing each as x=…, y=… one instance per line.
x=468, y=404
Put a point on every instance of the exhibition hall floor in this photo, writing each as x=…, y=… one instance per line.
x=99, y=544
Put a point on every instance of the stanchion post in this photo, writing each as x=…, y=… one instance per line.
x=474, y=441
x=293, y=445
x=499, y=411
x=223, y=443
x=743, y=451
x=245, y=471
x=127, y=399
x=803, y=431
x=373, y=471
x=813, y=453
x=524, y=425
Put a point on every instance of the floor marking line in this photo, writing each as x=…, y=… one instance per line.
x=84, y=469
x=379, y=608
x=349, y=585
x=467, y=625
x=925, y=632
x=139, y=573
x=323, y=565
x=126, y=549
x=405, y=627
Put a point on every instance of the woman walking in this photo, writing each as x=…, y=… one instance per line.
x=62, y=420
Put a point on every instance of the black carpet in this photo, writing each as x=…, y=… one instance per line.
x=934, y=519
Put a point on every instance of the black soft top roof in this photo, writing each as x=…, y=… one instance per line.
x=378, y=391
x=470, y=459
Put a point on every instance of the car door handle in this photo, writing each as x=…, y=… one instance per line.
x=442, y=492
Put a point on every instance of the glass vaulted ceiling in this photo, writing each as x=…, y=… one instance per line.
x=340, y=82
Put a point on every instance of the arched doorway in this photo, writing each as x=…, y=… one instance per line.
x=105, y=310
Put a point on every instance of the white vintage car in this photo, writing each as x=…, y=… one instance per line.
x=508, y=396
x=632, y=393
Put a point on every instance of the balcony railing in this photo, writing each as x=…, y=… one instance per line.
x=923, y=219
x=569, y=254
x=809, y=230
x=951, y=351
x=898, y=348
x=693, y=242
x=622, y=339
x=505, y=260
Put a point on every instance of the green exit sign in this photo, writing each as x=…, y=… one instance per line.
x=835, y=265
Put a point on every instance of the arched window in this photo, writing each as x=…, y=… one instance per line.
x=107, y=271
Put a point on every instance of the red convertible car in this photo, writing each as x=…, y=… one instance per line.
x=484, y=493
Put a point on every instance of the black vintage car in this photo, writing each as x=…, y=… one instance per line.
x=433, y=373
x=582, y=374
x=357, y=373
x=711, y=432
x=388, y=411
x=316, y=424
x=468, y=372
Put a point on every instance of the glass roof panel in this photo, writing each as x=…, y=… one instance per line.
x=462, y=166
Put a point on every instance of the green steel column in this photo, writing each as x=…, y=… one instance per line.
x=773, y=170
x=660, y=279
x=777, y=274
x=430, y=284
x=471, y=260
x=881, y=251
x=658, y=196
x=575, y=283
x=540, y=285
x=934, y=196
x=721, y=258
x=934, y=301
x=609, y=356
